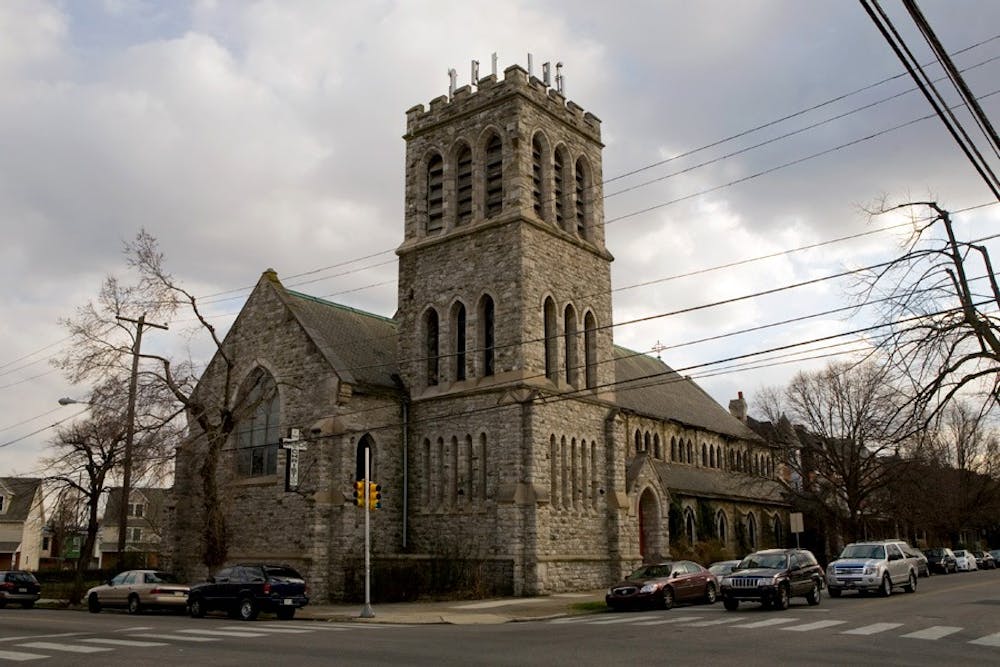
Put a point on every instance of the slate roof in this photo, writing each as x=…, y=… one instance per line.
x=706, y=482
x=647, y=386
x=23, y=493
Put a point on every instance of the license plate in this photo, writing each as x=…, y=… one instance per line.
x=288, y=601
x=179, y=593
x=22, y=590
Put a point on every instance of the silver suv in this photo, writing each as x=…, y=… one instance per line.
x=872, y=566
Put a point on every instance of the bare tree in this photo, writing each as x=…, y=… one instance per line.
x=944, y=335
x=102, y=346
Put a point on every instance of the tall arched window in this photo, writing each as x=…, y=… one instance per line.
x=432, y=345
x=551, y=340
x=537, y=196
x=638, y=441
x=487, y=343
x=779, y=531
x=569, y=324
x=257, y=432
x=554, y=471
x=590, y=349
x=673, y=448
x=483, y=471
x=458, y=327
x=752, y=530
x=711, y=457
x=645, y=442
x=721, y=526
x=435, y=194
x=559, y=186
x=583, y=197
x=428, y=470
x=704, y=455
x=494, y=176
x=463, y=185
x=657, y=454
x=689, y=525
x=365, y=444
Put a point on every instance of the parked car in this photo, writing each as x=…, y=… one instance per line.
x=245, y=590
x=919, y=559
x=663, y=584
x=964, y=561
x=984, y=560
x=139, y=590
x=872, y=566
x=773, y=577
x=996, y=555
x=941, y=559
x=722, y=567
x=19, y=587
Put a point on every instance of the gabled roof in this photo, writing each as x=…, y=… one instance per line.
x=154, y=497
x=649, y=387
x=708, y=482
x=22, y=494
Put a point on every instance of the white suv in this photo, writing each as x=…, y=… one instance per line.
x=872, y=566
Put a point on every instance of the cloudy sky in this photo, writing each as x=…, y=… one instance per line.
x=248, y=135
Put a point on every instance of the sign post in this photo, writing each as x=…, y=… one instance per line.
x=293, y=443
x=795, y=519
x=367, y=612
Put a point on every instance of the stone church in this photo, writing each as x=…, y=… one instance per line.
x=507, y=430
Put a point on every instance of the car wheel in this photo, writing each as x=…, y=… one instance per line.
x=834, y=592
x=196, y=608
x=911, y=584
x=710, y=595
x=133, y=604
x=248, y=609
x=93, y=604
x=813, y=597
x=730, y=604
x=286, y=613
x=667, y=598
x=781, y=599
x=885, y=590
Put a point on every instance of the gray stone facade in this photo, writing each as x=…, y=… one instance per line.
x=504, y=425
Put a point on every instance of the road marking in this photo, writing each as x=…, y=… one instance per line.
x=182, y=638
x=134, y=628
x=678, y=619
x=988, y=640
x=20, y=656
x=766, y=623
x=319, y=625
x=69, y=648
x=705, y=624
x=267, y=628
x=24, y=637
x=123, y=642
x=622, y=619
x=220, y=633
x=933, y=632
x=573, y=619
x=818, y=625
x=498, y=603
x=872, y=629
x=574, y=595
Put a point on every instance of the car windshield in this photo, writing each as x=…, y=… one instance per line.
x=281, y=573
x=876, y=551
x=21, y=577
x=770, y=561
x=651, y=572
x=160, y=578
x=960, y=553
x=934, y=552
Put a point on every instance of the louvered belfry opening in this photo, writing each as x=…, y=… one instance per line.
x=435, y=194
x=463, y=185
x=494, y=176
x=536, y=176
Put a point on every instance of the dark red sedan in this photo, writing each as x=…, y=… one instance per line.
x=663, y=584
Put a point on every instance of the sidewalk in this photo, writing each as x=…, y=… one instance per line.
x=461, y=612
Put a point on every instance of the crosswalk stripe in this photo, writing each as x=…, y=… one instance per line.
x=183, y=638
x=68, y=648
x=676, y=619
x=319, y=625
x=566, y=620
x=123, y=642
x=20, y=656
x=817, y=625
x=621, y=619
x=766, y=623
x=221, y=633
x=872, y=629
x=706, y=624
x=933, y=632
x=267, y=628
x=988, y=640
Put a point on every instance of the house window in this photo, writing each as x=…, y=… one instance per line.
x=494, y=176
x=463, y=185
x=135, y=535
x=459, y=329
x=45, y=543
x=487, y=316
x=590, y=349
x=257, y=436
x=435, y=194
x=136, y=509
x=431, y=346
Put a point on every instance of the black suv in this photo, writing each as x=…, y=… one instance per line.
x=245, y=590
x=19, y=587
x=773, y=577
x=941, y=559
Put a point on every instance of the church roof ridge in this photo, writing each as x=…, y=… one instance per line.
x=333, y=304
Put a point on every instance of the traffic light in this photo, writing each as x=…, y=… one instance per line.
x=359, y=493
x=374, y=496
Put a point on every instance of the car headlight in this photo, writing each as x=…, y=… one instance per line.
x=649, y=588
x=871, y=569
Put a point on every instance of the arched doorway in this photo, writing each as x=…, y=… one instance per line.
x=650, y=542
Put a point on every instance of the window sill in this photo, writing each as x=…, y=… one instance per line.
x=263, y=480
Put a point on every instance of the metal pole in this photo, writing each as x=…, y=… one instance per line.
x=367, y=611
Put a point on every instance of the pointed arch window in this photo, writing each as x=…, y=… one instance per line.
x=366, y=443
x=435, y=194
x=536, y=175
x=559, y=186
x=458, y=326
x=432, y=345
x=257, y=433
x=551, y=340
x=722, y=526
x=689, y=525
x=590, y=349
x=779, y=531
x=570, y=339
x=463, y=185
x=752, y=530
x=583, y=198
x=494, y=176
x=487, y=318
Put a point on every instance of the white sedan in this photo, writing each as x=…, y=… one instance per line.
x=964, y=560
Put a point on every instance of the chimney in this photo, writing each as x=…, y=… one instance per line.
x=738, y=408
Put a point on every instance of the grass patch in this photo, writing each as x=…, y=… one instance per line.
x=589, y=607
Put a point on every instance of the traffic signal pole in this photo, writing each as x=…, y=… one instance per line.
x=367, y=612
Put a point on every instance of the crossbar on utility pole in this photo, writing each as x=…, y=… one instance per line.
x=130, y=432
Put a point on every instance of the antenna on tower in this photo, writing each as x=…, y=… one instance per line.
x=547, y=74
x=560, y=86
x=475, y=73
x=452, y=76
x=494, y=63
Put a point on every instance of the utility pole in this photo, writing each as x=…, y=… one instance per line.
x=130, y=431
